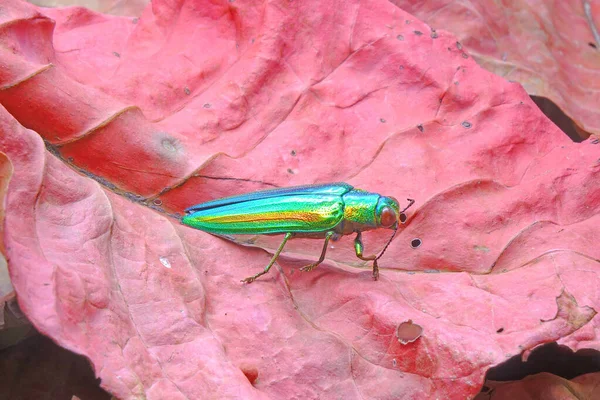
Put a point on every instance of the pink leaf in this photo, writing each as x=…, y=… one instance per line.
x=550, y=47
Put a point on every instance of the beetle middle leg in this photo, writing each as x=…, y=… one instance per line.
x=268, y=267
x=358, y=248
x=312, y=266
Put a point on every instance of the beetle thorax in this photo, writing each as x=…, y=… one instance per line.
x=359, y=211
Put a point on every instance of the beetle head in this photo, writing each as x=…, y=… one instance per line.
x=388, y=212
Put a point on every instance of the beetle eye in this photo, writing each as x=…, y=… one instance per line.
x=388, y=217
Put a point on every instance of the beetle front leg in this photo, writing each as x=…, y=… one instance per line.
x=268, y=267
x=358, y=248
x=312, y=266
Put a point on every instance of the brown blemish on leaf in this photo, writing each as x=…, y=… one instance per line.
x=407, y=332
x=571, y=312
x=6, y=171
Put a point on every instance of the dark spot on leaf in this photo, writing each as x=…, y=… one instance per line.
x=592, y=45
x=402, y=67
x=157, y=202
x=290, y=171
x=293, y=153
x=458, y=45
x=116, y=54
x=434, y=34
x=407, y=332
x=500, y=330
x=135, y=20
x=187, y=90
x=251, y=373
x=418, y=33
x=456, y=83
x=70, y=159
x=466, y=124
x=400, y=37
x=207, y=105
x=402, y=217
x=595, y=141
x=415, y=243
x=382, y=120
x=465, y=55
x=420, y=127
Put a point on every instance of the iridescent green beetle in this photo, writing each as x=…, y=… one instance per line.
x=310, y=211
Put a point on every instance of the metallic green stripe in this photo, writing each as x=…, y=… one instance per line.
x=295, y=213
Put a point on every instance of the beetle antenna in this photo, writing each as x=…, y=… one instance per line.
x=387, y=244
x=410, y=203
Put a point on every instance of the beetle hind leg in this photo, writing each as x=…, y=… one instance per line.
x=252, y=278
x=312, y=266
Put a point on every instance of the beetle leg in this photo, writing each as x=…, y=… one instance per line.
x=312, y=266
x=268, y=267
x=358, y=248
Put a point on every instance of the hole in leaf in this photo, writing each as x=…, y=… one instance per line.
x=415, y=243
x=560, y=119
x=402, y=217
